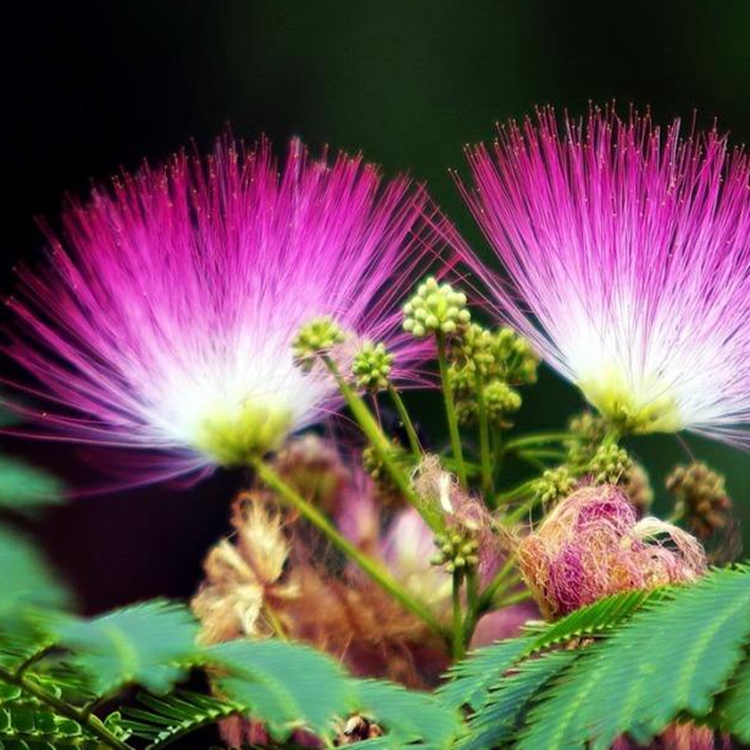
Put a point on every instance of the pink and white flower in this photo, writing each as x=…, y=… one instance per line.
x=627, y=253
x=164, y=319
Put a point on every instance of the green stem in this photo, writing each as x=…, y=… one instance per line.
x=382, y=446
x=542, y=453
x=516, y=493
x=495, y=585
x=520, y=596
x=484, y=437
x=521, y=511
x=450, y=409
x=403, y=414
x=458, y=622
x=274, y=622
x=472, y=605
x=370, y=566
x=497, y=450
x=93, y=724
x=541, y=438
x=612, y=436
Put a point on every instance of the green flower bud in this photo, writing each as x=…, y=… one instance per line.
x=458, y=550
x=587, y=430
x=435, y=308
x=610, y=465
x=474, y=350
x=374, y=466
x=515, y=360
x=372, y=366
x=554, y=485
x=501, y=400
x=315, y=338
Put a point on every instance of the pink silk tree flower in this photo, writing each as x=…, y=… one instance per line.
x=627, y=253
x=164, y=320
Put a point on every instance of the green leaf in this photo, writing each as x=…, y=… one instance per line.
x=27, y=581
x=734, y=705
x=147, y=644
x=28, y=724
x=408, y=716
x=495, y=725
x=472, y=678
x=596, y=618
x=22, y=487
x=166, y=719
x=672, y=657
x=287, y=685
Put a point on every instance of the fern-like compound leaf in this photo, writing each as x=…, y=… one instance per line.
x=147, y=644
x=470, y=680
x=496, y=724
x=286, y=685
x=734, y=706
x=165, y=719
x=407, y=716
x=672, y=657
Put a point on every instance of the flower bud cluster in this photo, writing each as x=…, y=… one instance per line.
x=501, y=400
x=701, y=498
x=314, y=339
x=554, y=485
x=493, y=361
x=436, y=308
x=610, y=464
x=372, y=366
x=375, y=467
x=515, y=357
x=587, y=433
x=457, y=551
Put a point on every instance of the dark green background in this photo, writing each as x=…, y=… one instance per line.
x=89, y=86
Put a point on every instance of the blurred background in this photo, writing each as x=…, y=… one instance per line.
x=90, y=87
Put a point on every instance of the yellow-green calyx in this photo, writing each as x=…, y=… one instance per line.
x=436, y=308
x=315, y=338
x=372, y=366
x=629, y=412
x=232, y=438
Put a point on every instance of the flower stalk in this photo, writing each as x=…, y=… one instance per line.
x=450, y=408
x=382, y=446
x=403, y=415
x=484, y=437
x=371, y=567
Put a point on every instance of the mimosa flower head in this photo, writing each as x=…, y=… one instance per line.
x=627, y=249
x=165, y=319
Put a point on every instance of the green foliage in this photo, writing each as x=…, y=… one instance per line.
x=408, y=716
x=497, y=722
x=147, y=644
x=27, y=581
x=24, y=488
x=163, y=720
x=734, y=706
x=471, y=679
x=289, y=685
x=626, y=684
x=285, y=684
x=24, y=719
x=632, y=664
x=595, y=619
